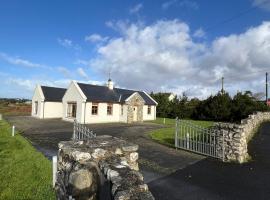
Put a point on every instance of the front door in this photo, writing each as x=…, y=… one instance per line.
x=74, y=109
x=135, y=110
x=71, y=110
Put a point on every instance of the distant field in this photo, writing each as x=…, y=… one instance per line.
x=166, y=135
x=15, y=109
x=24, y=172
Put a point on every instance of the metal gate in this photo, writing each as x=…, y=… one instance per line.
x=205, y=141
x=81, y=132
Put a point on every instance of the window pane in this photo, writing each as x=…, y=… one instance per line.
x=109, y=109
x=94, y=109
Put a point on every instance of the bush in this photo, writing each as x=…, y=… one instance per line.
x=220, y=107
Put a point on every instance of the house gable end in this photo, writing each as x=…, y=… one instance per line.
x=38, y=93
x=73, y=86
x=135, y=97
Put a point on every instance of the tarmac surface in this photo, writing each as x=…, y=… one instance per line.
x=170, y=174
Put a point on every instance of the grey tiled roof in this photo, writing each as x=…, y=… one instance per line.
x=96, y=93
x=53, y=94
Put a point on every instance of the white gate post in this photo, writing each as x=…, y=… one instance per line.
x=13, y=131
x=176, y=133
x=54, y=167
x=187, y=140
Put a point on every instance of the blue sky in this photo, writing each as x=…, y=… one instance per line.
x=171, y=45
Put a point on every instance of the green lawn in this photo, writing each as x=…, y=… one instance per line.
x=24, y=172
x=166, y=135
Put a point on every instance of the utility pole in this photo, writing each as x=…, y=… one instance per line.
x=222, y=85
x=266, y=87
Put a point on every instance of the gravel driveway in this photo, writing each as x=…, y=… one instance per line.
x=155, y=160
x=171, y=174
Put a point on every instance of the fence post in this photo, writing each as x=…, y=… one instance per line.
x=176, y=133
x=188, y=140
x=13, y=131
x=54, y=167
x=164, y=120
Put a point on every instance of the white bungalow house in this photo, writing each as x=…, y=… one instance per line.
x=100, y=104
x=47, y=102
x=93, y=104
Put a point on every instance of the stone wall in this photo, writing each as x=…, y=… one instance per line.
x=237, y=136
x=104, y=167
x=136, y=100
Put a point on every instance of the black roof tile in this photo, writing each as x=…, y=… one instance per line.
x=96, y=93
x=53, y=93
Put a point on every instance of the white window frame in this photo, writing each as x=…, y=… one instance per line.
x=36, y=107
x=96, y=105
x=109, y=105
x=70, y=109
x=149, y=108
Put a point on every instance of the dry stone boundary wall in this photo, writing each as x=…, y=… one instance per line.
x=104, y=167
x=237, y=136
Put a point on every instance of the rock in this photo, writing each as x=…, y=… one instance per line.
x=130, y=148
x=80, y=182
x=133, y=156
x=118, y=151
x=99, y=153
x=81, y=156
x=143, y=187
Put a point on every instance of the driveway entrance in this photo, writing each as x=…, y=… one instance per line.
x=155, y=160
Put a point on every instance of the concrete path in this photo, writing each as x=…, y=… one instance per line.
x=155, y=160
x=211, y=179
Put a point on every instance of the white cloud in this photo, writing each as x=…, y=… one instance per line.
x=24, y=88
x=64, y=72
x=82, y=62
x=82, y=73
x=164, y=57
x=181, y=3
x=264, y=4
x=67, y=43
x=199, y=33
x=96, y=38
x=136, y=8
x=19, y=61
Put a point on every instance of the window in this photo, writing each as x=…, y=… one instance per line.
x=109, y=109
x=122, y=109
x=94, y=109
x=36, y=107
x=149, y=110
x=71, y=110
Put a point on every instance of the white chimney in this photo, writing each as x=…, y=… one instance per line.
x=110, y=84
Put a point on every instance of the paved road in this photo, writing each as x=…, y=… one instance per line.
x=155, y=160
x=210, y=179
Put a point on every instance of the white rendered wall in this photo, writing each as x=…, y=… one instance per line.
x=102, y=116
x=73, y=95
x=53, y=109
x=123, y=118
x=146, y=116
x=37, y=97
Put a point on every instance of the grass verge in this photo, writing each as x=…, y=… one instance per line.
x=166, y=135
x=24, y=172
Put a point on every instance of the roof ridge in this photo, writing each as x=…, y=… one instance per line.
x=52, y=87
x=106, y=87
